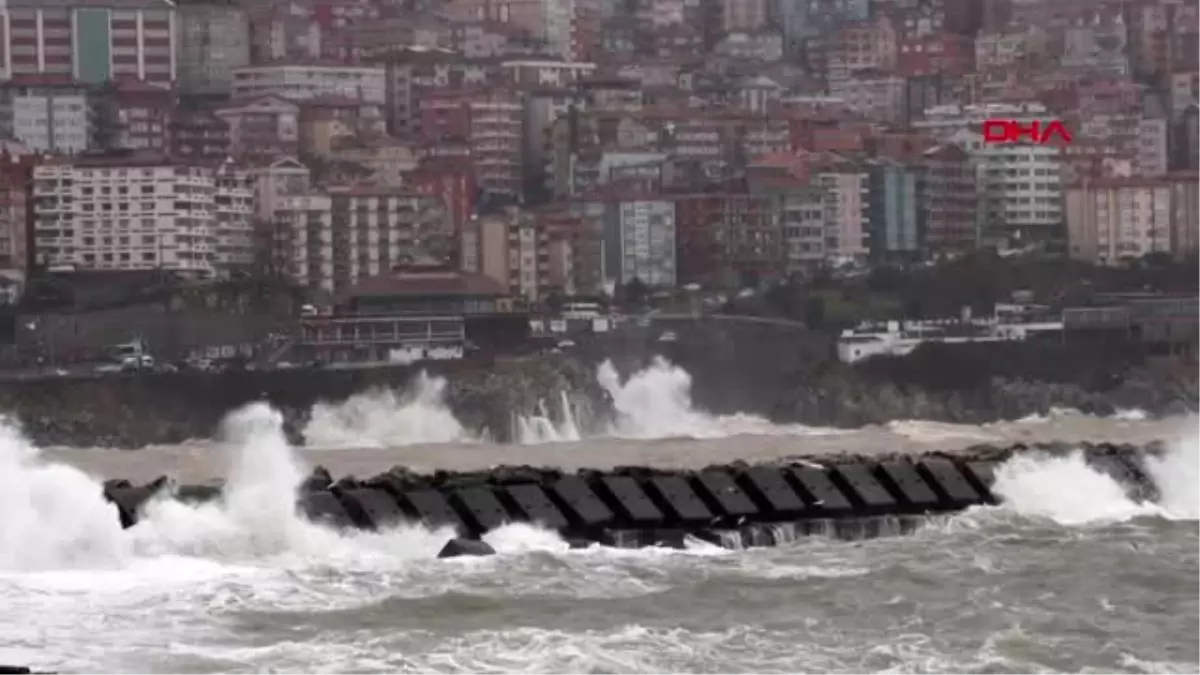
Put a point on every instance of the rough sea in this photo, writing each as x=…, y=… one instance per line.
x=1068, y=575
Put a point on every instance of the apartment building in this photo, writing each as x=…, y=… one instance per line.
x=233, y=227
x=92, y=41
x=332, y=240
x=214, y=41
x=15, y=175
x=1112, y=220
x=1115, y=219
x=847, y=213
x=56, y=120
x=263, y=128
x=1021, y=188
x=139, y=213
x=513, y=249
x=639, y=242
x=491, y=124
x=951, y=199
x=306, y=81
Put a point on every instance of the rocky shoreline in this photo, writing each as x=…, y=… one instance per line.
x=133, y=411
x=784, y=378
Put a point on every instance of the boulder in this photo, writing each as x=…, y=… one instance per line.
x=458, y=547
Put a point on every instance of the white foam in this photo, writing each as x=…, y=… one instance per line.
x=381, y=418
x=1063, y=489
x=52, y=516
x=656, y=402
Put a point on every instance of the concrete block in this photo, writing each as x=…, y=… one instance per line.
x=480, y=508
x=371, y=508
x=953, y=488
x=580, y=503
x=431, y=508
x=678, y=500
x=982, y=476
x=673, y=538
x=324, y=509
x=767, y=487
x=622, y=538
x=532, y=504
x=906, y=485
x=630, y=502
x=129, y=499
x=456, y=548
x=722, y=494
x=819, y=491
x=863, y=489
x=198, y=494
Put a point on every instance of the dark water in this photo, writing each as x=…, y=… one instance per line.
x=1068, y=576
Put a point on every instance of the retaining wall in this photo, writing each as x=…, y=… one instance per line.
x=736, y=505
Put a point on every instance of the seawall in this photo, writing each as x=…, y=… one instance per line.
x=734, y=505
x=130, y=411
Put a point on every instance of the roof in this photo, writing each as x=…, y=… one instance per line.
x=426, y=282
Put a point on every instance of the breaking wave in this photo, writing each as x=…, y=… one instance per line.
x=656, y=402
x=652, y=403
x=383, y=418
x=1069, y=491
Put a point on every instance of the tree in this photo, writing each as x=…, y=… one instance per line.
x=814, y=312
x=635, y=291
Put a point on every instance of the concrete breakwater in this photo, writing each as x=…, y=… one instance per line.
x=733, y=505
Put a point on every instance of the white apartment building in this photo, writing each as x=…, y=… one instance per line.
x=299, y=82
x=1021, y=184
x=139, y=214
x=52, y=122
x=335, y=239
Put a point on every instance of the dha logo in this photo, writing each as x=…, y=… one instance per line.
x=1038, y=133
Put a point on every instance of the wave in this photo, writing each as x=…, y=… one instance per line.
x=71, y=577
x=656, y=402
x=652, y=403
x=382, y=418
x=1069, y=491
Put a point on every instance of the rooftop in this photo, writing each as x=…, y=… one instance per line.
x=425, y=280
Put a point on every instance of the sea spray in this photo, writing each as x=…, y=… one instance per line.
x=656, y=402
x=544, y=427
x=52, y=515
x=382, y=418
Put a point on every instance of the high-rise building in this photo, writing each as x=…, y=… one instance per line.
x=92, y=41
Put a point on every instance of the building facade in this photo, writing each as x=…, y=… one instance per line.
x=305, y=81
x=92, y=41
x=140, y=213
x=214, y=41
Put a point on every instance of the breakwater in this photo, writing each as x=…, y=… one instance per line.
x=732, y=505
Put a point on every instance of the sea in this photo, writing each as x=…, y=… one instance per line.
x=1067, y=575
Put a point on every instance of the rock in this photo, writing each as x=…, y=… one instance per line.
x=320, y=479
x=458, y=547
